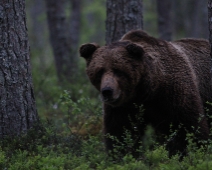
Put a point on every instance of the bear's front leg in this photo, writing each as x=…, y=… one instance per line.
x=117, y=122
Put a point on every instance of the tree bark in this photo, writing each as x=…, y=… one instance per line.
x=122, y=16
x=210, y=23
x=204, y=20
x=164, y=19
x=64, y=38
x=58, y=28
x=75, y=22
x=17, y=104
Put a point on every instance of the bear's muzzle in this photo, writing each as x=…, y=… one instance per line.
x=110, y=91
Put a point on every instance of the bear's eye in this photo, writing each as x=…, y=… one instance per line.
x=119, y=73
x=99, y=74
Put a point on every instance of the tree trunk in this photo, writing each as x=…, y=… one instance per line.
x=75, y=22
x=210, y=23
x=59, y=37
x=63, y=40
x=122, y=16
x=204, y=20
x=17, y=103
x=164, y=19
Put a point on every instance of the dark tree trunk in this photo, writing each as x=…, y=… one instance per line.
x=210, y=23
x=164, y=19
x=122, y=16
x=204, y=20
x=75, y=22
x=63, y=38
x=17, y=103
x=59, y=38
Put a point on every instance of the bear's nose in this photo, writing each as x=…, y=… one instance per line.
x=107, y=93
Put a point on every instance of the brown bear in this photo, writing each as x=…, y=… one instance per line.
x=171, y=80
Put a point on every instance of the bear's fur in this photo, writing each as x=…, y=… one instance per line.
x=171, y=80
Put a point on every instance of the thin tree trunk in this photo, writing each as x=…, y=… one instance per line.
x=210, y=23
x=164, y=19
x=210, y=27
x=59, y=38
x=64, y=37
x=122, y=16
x=75, y=21
x=17, y=103
x=204, y=20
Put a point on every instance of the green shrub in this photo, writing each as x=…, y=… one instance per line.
x=46, y=148
x=51, y=145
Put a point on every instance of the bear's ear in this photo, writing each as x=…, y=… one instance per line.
x=86, y=50
x=135, y=50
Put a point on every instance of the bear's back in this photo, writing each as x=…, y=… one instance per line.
x=198, y=53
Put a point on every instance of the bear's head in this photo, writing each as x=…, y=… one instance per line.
x=115, y=70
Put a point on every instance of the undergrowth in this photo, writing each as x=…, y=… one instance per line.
x=48, y=146
x=46, y=149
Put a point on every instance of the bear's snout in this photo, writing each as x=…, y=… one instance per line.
x=109, y=89
x=107, y=93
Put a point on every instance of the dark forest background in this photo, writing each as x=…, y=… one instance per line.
x=85, y=21
x=69, y=135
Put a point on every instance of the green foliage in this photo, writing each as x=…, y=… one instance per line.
x=45, y=147
x=82, y=116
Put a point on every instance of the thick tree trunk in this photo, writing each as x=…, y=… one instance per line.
x=122, y=16
x=17, y=103
x=164, y=19
x=63, y=40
